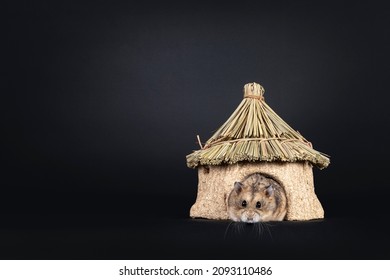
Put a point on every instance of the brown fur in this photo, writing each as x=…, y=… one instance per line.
x=257, y=199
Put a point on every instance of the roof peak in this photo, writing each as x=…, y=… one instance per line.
x=254, y=90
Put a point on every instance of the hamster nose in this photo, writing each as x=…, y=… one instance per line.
x=249, y=221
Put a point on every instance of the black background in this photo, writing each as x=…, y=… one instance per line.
x=103, y=100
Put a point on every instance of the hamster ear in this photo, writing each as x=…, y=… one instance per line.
x=238, y=187
x=269, y=191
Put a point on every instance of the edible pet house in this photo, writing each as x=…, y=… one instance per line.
x=256, y=140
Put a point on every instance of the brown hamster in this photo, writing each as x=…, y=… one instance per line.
x=257, y=199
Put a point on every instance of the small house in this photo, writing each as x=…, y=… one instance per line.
x=256, y=140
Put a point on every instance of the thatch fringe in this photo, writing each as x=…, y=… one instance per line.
x=254, y=132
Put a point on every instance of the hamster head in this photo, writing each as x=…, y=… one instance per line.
x=252, y=203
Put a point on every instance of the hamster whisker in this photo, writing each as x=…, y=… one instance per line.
x=260, y=228
x=267, y=227
x=227, y=229
x=235, y=228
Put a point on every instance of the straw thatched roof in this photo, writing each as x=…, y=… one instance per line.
x=254, y=133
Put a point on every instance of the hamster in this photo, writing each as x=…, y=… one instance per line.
x=257, y=199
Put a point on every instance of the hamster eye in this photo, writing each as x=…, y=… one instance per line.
x=243, y=203
x=258, y=204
